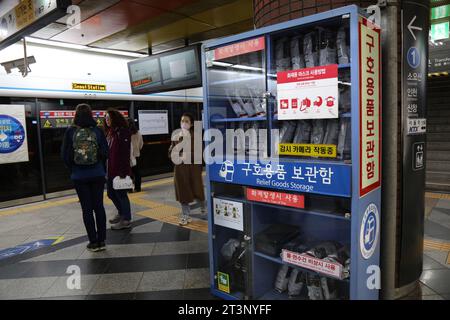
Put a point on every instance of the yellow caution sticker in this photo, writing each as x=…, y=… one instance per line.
x=223, y=282
x=307, y=150
x=47, y=124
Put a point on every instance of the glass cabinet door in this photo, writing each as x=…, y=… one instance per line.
x=236, y=85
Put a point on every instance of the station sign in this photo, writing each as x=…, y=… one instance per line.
x=415, y=39
x=29, y=16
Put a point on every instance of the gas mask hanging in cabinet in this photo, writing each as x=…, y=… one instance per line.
x=297, y=58
x=327, y=47
x=342, y=46
x=303, y=132
x=235, y=105
x=310, y=49
x=282, y=54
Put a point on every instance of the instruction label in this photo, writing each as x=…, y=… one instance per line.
x=310, y=93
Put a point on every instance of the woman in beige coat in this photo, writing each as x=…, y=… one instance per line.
x=188, y=176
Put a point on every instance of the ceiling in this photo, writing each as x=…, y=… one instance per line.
x=137, y=25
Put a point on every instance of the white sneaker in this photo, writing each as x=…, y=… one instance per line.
x=183, y=221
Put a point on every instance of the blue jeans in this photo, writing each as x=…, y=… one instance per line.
x=90, y=193
x=120, y=200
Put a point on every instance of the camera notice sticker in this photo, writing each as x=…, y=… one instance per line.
x=310, y=93
x=417, y=126
x=307, y=150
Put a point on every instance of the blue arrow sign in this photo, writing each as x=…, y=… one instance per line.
x=28, y=247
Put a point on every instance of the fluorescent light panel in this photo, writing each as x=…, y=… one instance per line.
x=83, y=48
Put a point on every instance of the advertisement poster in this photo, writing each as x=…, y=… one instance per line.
x=310, y=93
x=13, y=134
x=228, y=214
x=370, y=107
x=153, y=122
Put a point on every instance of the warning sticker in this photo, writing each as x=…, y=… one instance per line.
x=307, y=150
x=47, y=124
x=223, y=282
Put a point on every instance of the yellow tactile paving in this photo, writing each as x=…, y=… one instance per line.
x=146, y=203
x=38, y=206
x=196, y=225
x=436, y=245
x=437, y=195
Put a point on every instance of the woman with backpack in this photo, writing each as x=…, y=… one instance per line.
x=84, y=152
x=118, y=167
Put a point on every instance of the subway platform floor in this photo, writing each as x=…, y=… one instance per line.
x=42, y=243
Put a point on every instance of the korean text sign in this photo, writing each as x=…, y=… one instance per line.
x=321, y=178
x=310, y=93
x=370, y=107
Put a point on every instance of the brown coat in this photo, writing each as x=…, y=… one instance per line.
x=188, y=178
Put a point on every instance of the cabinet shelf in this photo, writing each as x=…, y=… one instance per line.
x=227, y=296
x=225, y=120
x=280, y=261
x=342, y=115
x=293, y=210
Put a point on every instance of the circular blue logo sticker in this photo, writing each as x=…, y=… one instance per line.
x=12, y=134
x=370, y=229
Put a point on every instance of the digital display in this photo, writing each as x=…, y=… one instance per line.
x=173, y=70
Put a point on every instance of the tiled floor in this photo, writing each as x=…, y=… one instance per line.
x=154, y=259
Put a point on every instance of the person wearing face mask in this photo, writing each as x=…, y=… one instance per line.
x=187, y=174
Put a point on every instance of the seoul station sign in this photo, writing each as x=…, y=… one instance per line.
x=28, y=17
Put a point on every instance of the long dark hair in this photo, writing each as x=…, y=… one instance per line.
x=83, y=116
x=132, y=126
x=117, y=119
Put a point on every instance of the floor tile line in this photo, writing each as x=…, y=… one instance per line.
x=62, y=245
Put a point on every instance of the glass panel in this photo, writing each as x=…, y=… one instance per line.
x=236, y=85
x=299, y=49
x=53, y=127
x=23, y=179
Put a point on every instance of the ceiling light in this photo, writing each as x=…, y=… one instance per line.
x=74, y=46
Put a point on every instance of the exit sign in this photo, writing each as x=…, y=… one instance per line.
x=439, y=31
x=440, y=12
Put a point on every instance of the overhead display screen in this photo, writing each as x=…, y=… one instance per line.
x=173, y=70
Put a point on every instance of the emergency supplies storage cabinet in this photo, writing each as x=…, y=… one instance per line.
x=292, y=114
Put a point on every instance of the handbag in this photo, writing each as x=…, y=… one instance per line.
x=122, y=184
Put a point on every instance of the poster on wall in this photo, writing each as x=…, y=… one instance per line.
x=310, y=93
x=153, y=122
x=13, y=134
x=228, y=214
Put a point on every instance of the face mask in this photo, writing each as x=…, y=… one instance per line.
x=185, y=126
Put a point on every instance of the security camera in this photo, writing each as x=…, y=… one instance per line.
x=19, y=64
